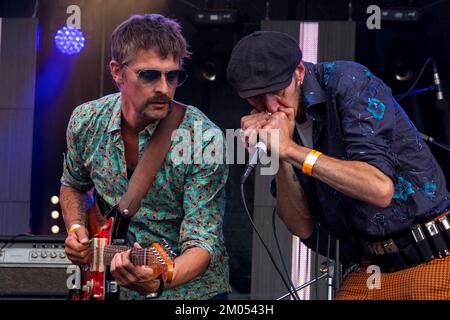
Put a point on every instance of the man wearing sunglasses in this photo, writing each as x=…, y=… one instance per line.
x=351, y=165
x=105, y=138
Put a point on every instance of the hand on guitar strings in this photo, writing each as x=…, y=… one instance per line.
x=128, y=275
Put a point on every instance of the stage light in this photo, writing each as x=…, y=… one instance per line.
x=55, y=229
x=54, y=199
x=208, y=71
x=55, y=214
x=69, y=40
x=403, y=71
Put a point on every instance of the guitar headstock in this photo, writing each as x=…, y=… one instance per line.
x=165, y=259
x=168, y=249
x=155, y=257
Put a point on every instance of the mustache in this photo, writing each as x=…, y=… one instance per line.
x=159, y=98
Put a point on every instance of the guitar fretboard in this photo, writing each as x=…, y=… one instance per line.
x=138, y=256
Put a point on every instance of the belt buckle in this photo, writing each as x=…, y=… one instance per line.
x=377, y=248
x=390, y=246
x=436, y=234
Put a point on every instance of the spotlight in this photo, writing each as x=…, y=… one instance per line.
x=208, y=71
x=55, y=214
x=54, y=199
x=403, y=71
x=55, y=229
x=211, y=68
x=69, y=40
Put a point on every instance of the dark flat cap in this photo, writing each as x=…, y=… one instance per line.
x=263, y=62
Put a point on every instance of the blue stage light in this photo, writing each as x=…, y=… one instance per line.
x=69, y=40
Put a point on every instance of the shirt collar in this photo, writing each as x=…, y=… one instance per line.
x=116, y=114
x=313, y=93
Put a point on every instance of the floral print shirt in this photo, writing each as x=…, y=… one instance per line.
x=185, y=205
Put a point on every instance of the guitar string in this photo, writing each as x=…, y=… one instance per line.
x=140, y=252
x=137, y=254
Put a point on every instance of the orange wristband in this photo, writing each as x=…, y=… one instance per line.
x=310, y=161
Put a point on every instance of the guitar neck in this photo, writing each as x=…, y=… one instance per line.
x=154, y=256
x=138, y=256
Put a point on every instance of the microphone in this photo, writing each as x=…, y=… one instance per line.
x=260, y=150
x=433, y=141
x=426, y=138
x=441, y=104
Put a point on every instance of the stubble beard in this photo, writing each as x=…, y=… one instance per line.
x=153, y=114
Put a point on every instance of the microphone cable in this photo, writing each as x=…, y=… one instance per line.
x=11, y=239
x=291, y=292
x=288, y=276
x=416, y=81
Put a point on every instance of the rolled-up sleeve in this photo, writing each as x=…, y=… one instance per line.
x=367, y=110
x=75, y=174
x=204, y=207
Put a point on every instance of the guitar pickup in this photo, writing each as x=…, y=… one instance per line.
x=118, y=242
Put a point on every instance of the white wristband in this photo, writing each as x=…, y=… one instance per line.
x=74, y=227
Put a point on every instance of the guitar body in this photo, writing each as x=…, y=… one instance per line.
x=109, y=238
x=96, y=279
x=100, y=284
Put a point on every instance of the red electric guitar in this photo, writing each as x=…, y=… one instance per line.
x=109, y=239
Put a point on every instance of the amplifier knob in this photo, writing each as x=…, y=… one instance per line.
x=44, y=254
x=34, y=255
x=62, y=255
x=53, y=255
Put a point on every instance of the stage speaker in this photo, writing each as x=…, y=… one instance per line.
x=34, y=267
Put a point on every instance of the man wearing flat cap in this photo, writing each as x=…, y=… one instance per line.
x=351, y=164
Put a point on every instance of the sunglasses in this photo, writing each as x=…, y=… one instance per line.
x=173, y=77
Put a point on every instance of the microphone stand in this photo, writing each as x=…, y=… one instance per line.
x=432, y=141
x=304, y=285
x=424, y=136
x=328, y=271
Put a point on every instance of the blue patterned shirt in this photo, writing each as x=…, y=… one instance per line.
x=356, y=118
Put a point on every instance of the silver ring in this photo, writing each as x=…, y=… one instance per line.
x=151, y=295
x=268, y=113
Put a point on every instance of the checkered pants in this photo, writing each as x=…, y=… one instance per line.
x=427, y=281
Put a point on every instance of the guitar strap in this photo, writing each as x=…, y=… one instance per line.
x=152, y=158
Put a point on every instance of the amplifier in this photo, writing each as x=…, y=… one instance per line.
x=34, y=267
